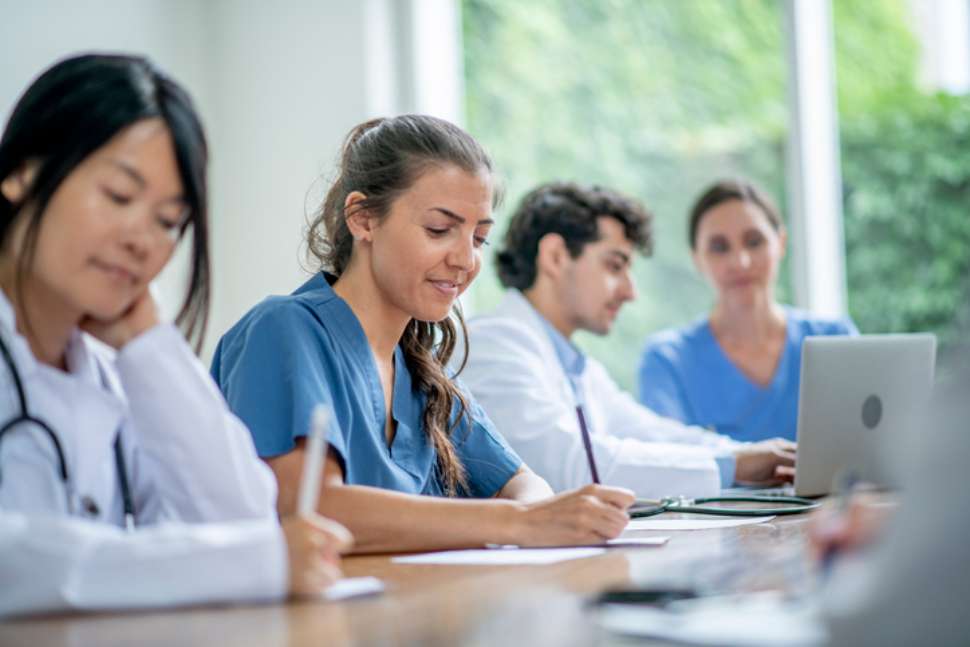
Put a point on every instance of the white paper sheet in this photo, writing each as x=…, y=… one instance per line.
x=693, y=524
x=501, y=556
x=633, y=542
x=353, y=587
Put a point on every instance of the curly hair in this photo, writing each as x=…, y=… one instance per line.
x=572, y=211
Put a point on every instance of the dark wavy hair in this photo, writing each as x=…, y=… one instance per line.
x=72, y=110
x=723, y=191
x=572, y=211
x=382, y=159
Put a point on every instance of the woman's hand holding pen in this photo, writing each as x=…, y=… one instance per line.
x=591, y=514
x=314, y=545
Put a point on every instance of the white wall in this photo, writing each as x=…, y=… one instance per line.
x=33, y=35
x=287, y=81
x=277, y=84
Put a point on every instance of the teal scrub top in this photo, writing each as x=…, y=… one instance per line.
x=290, y=353
x=684, y=374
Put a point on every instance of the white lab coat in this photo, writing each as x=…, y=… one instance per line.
x=205, y=504
x=514, y=373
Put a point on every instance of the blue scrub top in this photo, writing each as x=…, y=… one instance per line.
x=684, y=374
x=290, y=353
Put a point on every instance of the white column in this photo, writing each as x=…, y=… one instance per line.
x=436, y=55
x=414, y=56
x=814, y=176
x=382, y=55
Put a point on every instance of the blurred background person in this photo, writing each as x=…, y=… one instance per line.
x=735, y=371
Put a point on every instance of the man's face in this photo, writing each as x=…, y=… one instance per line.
x=594, y=286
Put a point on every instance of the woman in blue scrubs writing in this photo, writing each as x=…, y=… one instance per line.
x=736, y=370
x=398, y=239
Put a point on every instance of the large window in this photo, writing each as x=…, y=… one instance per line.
x=658, y=98
x=654, y=98
x=906, y=167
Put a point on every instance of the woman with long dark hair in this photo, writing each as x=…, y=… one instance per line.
x=397, y=240
x=108, y=422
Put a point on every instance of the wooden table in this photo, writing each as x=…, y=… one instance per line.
x=448, y=605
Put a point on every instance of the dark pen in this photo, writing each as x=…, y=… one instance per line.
x=587, y=443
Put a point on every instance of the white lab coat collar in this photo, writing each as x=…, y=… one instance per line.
x=17, y=343
x=515, y=306
x=83, y=354
x=86, y=393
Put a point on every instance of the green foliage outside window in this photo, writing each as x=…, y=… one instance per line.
x=906, y=176
x=658, y=98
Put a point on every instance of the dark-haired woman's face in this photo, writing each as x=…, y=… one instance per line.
x=111, y=226
x=738, y=251
x=428, y=249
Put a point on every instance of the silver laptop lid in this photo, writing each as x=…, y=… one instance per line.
x=859, y=400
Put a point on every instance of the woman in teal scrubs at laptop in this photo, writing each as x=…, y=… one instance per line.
x=398, y=239
x=737, y=369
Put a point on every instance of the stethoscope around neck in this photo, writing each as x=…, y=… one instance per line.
x=25, y=418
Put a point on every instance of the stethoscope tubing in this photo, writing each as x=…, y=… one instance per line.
x=25, y=417
x=795, y=505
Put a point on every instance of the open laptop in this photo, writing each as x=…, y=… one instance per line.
x=860, y=401
x=859, y=405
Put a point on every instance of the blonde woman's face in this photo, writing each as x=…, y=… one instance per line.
x=429, y=248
